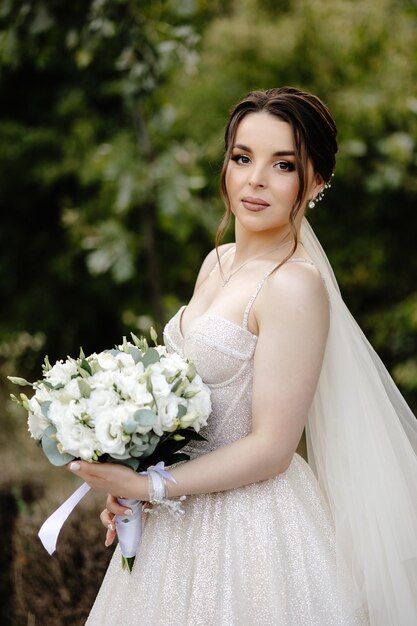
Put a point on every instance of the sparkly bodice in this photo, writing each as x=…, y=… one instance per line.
x=223, y=353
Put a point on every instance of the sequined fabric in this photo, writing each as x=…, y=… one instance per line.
x=260, y=555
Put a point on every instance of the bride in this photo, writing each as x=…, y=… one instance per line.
x=264, y=540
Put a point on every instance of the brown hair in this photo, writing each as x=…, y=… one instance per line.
x=314, y=131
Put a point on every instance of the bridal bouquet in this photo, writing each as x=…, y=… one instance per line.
x=135, y=405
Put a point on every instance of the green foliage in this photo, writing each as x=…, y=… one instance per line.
x=112, y=114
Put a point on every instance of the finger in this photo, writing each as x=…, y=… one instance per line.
x=107, y=519
x=110, y=535
x=114, y=507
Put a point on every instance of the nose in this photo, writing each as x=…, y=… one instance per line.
x=257, y=178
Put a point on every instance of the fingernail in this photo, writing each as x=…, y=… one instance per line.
x=128, y=512
x=106, y=543
x=75, y=466
x=110, y=526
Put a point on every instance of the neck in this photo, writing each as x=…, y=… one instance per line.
x=250, y=244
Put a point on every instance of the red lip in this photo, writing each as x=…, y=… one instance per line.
x=254, y=204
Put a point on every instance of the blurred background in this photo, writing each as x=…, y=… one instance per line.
x=111, y=136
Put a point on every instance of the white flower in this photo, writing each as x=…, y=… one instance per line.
x=61, y=414
x=173, y=364
x=108, y=361
x=109, y=430
x=160, y=387
x=37, y=422
x=167, y=411
x=101, y=399
x=60, y=373
x=128, y=382
x=101, y=379
x=77, y=439
x=199, y=403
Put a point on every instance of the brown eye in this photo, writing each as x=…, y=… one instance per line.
x=285, y=166
x=240, y=159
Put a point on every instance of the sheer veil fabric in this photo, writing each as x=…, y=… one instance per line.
x=362, y=445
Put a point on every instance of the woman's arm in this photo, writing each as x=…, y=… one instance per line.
x=292, y=316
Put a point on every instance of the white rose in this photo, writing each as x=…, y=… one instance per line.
x=101, y=379
x=60, y=373
x=109, y=431
x=172, y=364
x=77, y=439
x=37, y=422
x=101, y=399
x=160, y=386
x=128, y=381
x=200, y=403
x=73, y=390
x=167, y=411
x=107, y=361
x=60, y=413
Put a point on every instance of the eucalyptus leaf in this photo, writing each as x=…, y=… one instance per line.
x=182, y=410
x=150, y=450
x=115, y=352
x=50, y=448
x=128, y=462
x=135, y=353
x=45, y=407
x=145, y=417
x=150, y=357
x=130, y=426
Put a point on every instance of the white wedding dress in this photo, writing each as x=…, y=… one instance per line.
x=263, y=554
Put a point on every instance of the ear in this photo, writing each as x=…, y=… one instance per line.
x=317, y=185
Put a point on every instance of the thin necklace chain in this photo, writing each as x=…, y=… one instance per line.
x=233, y=272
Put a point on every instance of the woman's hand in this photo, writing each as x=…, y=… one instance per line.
x=107, y=518
x=118, y=480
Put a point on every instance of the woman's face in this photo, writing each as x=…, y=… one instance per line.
x=261, y=177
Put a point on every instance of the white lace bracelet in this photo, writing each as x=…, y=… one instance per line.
x=157, y=487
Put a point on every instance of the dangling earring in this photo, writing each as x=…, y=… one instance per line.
x=320, y=195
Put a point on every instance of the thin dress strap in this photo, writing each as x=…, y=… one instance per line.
x=260, y=285
x=221, y=259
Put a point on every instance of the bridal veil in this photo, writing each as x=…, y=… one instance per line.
x=362, y=445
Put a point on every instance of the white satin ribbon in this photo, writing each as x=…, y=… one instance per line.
x=50, y=529
x=128, y=533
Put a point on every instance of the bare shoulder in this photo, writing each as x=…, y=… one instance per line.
x=295, y=289
x=210, y=262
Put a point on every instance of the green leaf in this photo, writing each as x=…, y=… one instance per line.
x=50, y=448
x=84, y=387
x=182, y=410
x=145, y=417
x=130, y=427
x=129, y=462
x=150, y=357
x=135, y=353
x=127, y=562
x=85, y=366
x=45, y=407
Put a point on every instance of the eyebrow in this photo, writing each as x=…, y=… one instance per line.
x=277, y=153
